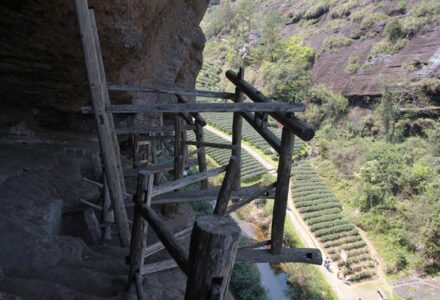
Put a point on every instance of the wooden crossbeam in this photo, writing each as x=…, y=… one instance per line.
x=195, y=115
x=172, y=245
x=174, y=91
x=252, y=197
x=300, y=128
x=295, y=255
x=156, y=247
x=156, y=168
x=159, y=266
x=200, y=107
x=150, y=130
x=208, y=144
x=178, y=184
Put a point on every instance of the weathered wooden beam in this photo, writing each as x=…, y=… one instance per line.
x=161, y=138
x=173, y=90
x=213, y=248
x=237, y=128
x=139, y=288
x=208, y=144
x=295, y=255
x=157, y=168
x=300, y=128
x=252, y=197
x=201, y=155
x=205, y=107
x=255, y=245
x=265, y=133
x=156, y=247
x=139, y=229
x=150, y=130
x=282, y=190
x=227, y=185
x=175, y=185
x=104, y=121
x=107, y=212
x=179, y=164
x=159, y=266
x=166, y=237
x=90, y=204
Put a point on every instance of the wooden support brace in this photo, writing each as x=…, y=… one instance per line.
x=159, y=266
x=166, y=237
x=156, y=247
x=227, y=184
x=178, y=184
x=195, y=115
x=139, y=229
x=251, y=198
x=282, y=190
x=151, y=130
x=265, y=133
x=213, y=248
x=201, y=156
x=104, y=121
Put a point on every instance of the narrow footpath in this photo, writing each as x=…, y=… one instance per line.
x=365, y=290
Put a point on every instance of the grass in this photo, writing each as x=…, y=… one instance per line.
x=335, y=42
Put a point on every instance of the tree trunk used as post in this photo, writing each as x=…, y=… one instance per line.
x=214, y=243
x=105, y=126
x=155, y=161
x=201, y=155
x=228, y=182
x=282, y=190
x=237, y=125
x=171, y=209
x=143, y=196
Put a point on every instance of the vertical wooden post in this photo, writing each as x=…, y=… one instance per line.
x=105, y=126
x=227, y=185
x=134, y=142
x=107, y=213
x=201, y=154
x=282, y=190
x=214, y=243
x=139, y=230
x=155, y=161
x=171, y=209
x=237, y=124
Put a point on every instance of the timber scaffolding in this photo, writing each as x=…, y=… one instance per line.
x=214, y=239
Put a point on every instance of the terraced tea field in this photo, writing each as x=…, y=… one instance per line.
x=250, y=168
x=209, y=76
x=223, y=121
x=323, y=214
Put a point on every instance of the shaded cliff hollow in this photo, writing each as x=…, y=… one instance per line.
x=153, y=42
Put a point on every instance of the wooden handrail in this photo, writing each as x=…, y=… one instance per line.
x=300, y=128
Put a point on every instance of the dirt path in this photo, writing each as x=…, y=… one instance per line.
x=366, y=290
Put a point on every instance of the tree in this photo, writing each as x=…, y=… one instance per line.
x=270, y=31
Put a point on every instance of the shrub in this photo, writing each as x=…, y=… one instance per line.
x=245, y=283
x=317, y=10
x=353, y=65
x=393, y=31
x=333, y=43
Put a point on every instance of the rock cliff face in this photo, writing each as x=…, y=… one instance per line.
x=152, y=42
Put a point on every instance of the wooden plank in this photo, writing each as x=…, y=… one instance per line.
x=252, y=197
x=205, y=107
x=211, y=145
x=300, y=128
x=213, y=248
x=227, y=184
x=201, y=155
x=98, y=92
x=282, y=190
x=237, y=128
x=159, y=266
x=295, y=255
x=161, y=138
x=166, y=237
x=150, y=130
x=256, y=245
x=156, y=247
x=174, y=185
x=265, y=133
x=172, y=90
x=107, y=212
x=139, y=229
